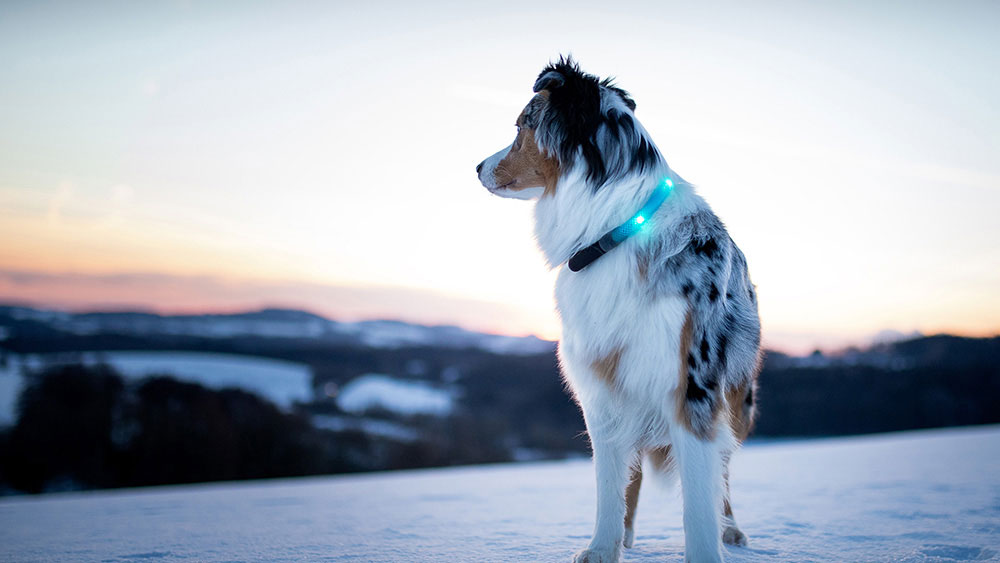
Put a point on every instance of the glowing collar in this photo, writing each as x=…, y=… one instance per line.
x=614, y=237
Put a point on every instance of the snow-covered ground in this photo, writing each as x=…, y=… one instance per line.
x=931, y=496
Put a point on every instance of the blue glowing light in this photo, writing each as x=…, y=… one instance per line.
x=638, y=221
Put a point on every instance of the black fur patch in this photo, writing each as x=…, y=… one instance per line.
x=707, y=248
x=576, y=102
x=694, y=392
x=713, y=293
x=749, y=399
x=687, y=288
x=646, y=155
x=575, y=122
x=711, y=383
x=704, y=349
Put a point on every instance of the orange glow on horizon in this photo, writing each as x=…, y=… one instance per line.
x=171, y=294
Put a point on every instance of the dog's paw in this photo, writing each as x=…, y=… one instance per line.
x=592, y=555
x=629, y=537
x=733, y=536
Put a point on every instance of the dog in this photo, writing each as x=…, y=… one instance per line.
x=660, y=338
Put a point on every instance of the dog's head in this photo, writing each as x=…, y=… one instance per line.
x=574, y=120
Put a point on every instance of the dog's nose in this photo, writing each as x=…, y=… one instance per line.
x=479, y=167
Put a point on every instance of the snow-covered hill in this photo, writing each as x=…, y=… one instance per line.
x=931, y=496
x=281, y=382
x=276, y=323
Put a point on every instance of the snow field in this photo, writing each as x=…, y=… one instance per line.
x=929, y=496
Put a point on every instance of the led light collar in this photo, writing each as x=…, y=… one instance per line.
x=614, y=237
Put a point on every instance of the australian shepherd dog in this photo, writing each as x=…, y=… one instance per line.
x=660, y=332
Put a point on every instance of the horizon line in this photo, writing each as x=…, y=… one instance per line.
x=164, y=313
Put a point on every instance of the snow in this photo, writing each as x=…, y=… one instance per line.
x=402, y=397
x=284, y=383
x=931, y=496
x=396, y=334
x=281, y=382
x=514, y=345
x=368, y=426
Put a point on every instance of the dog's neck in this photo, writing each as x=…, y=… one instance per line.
x=576, y=215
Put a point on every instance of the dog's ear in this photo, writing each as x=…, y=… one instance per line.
x=549, y=81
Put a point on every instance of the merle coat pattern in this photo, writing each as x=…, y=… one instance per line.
x=661, y=336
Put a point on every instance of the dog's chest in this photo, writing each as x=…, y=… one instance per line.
x=608, y=313
x=598, y=303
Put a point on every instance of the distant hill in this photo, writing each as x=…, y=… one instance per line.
x=267, y=323
x=506, y=400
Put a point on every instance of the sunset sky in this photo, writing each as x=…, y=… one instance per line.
x=220, y=156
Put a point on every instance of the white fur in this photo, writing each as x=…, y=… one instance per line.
x=700, y=468
x=604, y=308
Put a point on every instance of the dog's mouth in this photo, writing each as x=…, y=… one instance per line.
x=504, y=186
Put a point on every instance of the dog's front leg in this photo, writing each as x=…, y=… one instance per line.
x=700, y=465
x=611, y=464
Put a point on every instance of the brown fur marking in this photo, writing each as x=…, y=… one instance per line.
x=687, y=335
x=606, y=368
x=660, y=458
x=739, y=417
x=661, y=462
x=632, y=495
x=526, y=166
x=703, y=429
x=727, y=509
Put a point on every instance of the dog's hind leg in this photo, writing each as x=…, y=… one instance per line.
x=741, y=411
x=631, y=502
x=663, y=465
x=731, y=534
